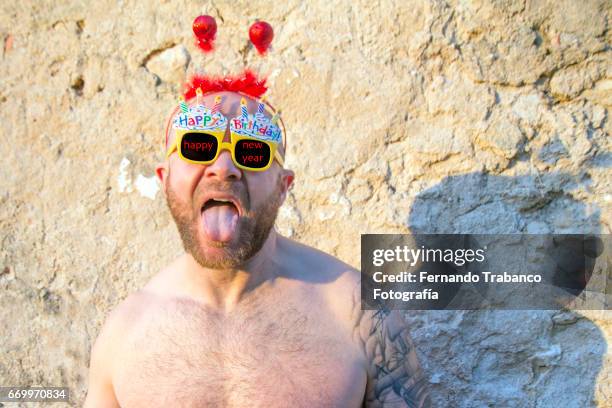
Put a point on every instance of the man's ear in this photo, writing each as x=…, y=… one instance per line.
x=287, y=180
x=161, y=171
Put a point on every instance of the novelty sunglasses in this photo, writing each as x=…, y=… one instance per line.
x=204, y=147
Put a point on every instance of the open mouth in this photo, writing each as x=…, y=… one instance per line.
x=220, y=219
x=214, y=202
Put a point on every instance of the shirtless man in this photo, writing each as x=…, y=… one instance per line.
x=247, y=317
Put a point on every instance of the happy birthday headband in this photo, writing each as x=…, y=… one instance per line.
x=200, y=117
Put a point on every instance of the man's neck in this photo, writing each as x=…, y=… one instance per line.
x=224, y=288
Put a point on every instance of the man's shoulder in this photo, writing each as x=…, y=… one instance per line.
x=312, y=256
x=317, y=266
x=123, y=317
x=119, y=324
x=338, y=282
x=135, y=311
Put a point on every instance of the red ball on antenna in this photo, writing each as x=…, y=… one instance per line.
x=205, y=29
x=261, y=35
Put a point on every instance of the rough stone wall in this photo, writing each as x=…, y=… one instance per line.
x=439, y=116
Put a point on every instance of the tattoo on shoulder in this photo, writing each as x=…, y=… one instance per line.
x=395, y=378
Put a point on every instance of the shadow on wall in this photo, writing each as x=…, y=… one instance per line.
x=510, y=358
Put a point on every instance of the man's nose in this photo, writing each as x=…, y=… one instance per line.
x=223, y=168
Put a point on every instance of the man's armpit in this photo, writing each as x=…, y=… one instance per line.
x=395, y=377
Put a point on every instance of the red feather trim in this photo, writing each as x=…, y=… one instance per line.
x=246, y=83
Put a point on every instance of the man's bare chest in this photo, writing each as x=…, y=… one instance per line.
x=264, y=355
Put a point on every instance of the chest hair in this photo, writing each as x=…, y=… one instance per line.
x=206, y=358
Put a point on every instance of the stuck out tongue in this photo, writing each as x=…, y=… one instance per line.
x=220, y=222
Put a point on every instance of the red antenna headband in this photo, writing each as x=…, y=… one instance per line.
x=205, y=30
x=247, y=83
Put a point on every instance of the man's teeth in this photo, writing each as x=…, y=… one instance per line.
x=222, y=200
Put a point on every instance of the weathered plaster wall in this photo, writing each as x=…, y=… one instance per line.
x=449, y=116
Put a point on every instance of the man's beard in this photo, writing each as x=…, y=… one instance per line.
x=253, y=227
